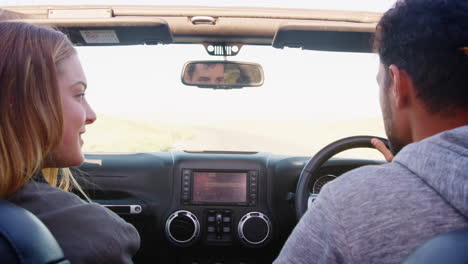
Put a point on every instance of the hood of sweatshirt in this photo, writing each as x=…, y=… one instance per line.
x=441, y=161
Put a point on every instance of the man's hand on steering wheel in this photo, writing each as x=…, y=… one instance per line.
x=380, y=146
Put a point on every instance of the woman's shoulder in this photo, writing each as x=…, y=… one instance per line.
x=43, y=199
x=39, y=197
x=84, y=230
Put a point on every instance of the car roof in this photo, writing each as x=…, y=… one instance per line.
x=307, y=28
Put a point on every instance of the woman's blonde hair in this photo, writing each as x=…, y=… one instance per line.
x=31, y=121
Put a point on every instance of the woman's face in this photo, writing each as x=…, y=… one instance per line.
x=76, y=113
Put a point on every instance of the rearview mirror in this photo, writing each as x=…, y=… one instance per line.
x=222, y=74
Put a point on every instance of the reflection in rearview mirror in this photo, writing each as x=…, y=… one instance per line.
x=222, y=74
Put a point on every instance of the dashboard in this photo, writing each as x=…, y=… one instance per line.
x=204, y=207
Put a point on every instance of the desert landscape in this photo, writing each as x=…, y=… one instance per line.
x=301, y=137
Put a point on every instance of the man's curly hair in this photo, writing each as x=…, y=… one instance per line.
x=426, y=38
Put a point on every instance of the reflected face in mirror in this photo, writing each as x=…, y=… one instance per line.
x=222, y=74
x=207, y=73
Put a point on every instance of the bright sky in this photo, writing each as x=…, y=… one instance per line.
x=298, y=84
x=144, y=81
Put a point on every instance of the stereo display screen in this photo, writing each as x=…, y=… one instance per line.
x=219, y=187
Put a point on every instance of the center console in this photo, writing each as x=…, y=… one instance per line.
x=219, y=207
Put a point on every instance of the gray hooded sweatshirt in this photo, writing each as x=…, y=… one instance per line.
x=380, y=214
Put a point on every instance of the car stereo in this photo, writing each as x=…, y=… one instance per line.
x=219, y=187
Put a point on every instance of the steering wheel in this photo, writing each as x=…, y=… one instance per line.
x=309, y=172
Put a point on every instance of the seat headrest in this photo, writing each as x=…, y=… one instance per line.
x=445, y=248
x=25, y=239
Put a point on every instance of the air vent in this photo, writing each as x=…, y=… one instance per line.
x=254, y=229
x=182, y=228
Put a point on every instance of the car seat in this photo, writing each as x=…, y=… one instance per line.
x=451, y=247
x=24, y=239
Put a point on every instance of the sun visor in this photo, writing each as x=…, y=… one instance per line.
x=112, y=31
x=326, y=36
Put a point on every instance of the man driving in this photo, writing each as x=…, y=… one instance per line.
x=380, y=214
x=212, y=73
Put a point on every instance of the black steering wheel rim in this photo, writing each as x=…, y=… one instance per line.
x=310, y=169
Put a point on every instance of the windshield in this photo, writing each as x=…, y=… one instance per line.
x=308, y=100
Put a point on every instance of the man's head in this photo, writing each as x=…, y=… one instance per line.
x=206, y=73
x=424, y=63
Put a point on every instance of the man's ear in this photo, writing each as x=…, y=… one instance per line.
x=401, y=87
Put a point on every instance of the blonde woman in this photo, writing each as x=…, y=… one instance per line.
x=44, y=112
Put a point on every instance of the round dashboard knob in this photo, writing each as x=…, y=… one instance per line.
x=254, y=229
x=182, y=228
